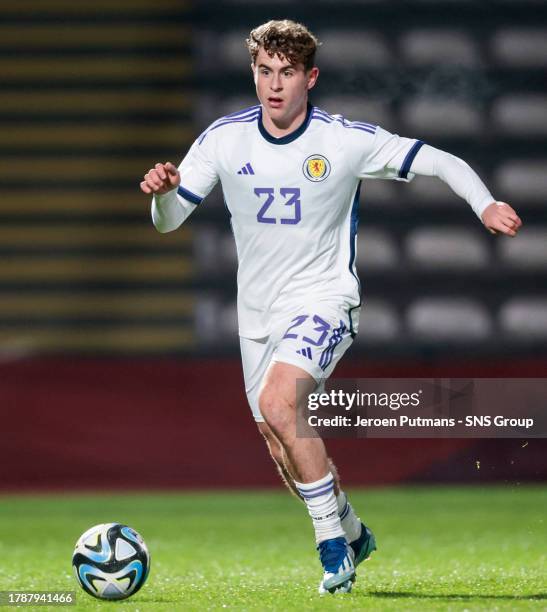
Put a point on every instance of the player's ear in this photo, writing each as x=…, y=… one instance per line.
x=313, y=75
x=253, y=70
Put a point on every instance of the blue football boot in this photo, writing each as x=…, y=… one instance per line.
x=337, y=559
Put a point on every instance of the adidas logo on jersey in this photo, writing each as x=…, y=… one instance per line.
x=247, y=169
x=306, y=352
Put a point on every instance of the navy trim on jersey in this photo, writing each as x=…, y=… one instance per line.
x=320, y=118
x=289, y=137
x=354, y=223
x=227, y=209
x=188, y=195
x=229, y=215
x=351, y=330
x=403, y=172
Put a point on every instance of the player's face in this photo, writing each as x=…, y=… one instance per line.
x=282, y=88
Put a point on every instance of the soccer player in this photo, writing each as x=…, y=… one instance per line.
x=291, y=175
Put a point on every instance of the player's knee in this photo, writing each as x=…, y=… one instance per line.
x=278, y=411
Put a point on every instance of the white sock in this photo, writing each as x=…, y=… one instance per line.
x=351, y=523
x=322, y=506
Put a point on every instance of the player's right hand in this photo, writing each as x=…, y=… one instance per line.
x=161, y=179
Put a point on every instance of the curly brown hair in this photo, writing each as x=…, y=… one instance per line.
x=285, y=38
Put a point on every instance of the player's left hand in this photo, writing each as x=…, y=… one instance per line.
x=499, y=217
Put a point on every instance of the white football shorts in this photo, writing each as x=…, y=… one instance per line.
x=313, y=339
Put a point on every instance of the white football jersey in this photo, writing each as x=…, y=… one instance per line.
x=294, y=205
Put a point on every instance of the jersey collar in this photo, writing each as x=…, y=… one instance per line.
x=289, y=137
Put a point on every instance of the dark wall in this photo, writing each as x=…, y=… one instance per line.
x=105, y=424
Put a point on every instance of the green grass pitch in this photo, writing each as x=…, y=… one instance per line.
x=440, y=548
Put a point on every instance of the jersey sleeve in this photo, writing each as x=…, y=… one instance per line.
x=198, y=176
x=198, y=173
x=457, y=174
x=382, y=155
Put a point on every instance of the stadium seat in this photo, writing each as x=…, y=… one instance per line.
x=443, y=1
x=215, y=321
x=524, y=115
x=205, y=111
x=523, y=180
x=437, y=248
x=378, y=194
x=234, y=104
x=520, y=47
x=233, y=50
x=448, y=320
x=160, y=88
x=359, y=108
x=214, y=250
x=438, y=46
x=526, y=250
x=228, y=252
x=376, y=250
x=205, y=247
x=428, y=191
x=379, y=322
x=524, y=318
x=210, y=108
x=353, y=49
x=228, y=323
x=255, y=1
x=441, y=117
x=206, y=317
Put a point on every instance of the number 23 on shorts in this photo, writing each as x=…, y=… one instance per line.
x=322, y=327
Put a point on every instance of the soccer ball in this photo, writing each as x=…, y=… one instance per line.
x=111, y=561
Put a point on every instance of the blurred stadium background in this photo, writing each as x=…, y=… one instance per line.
x=118, y=345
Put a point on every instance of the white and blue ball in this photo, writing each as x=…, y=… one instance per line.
x=111, y=561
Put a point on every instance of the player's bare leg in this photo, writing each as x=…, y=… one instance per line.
x=280, y=459
x=355, y=531
x=286, y=471
x=278, y=401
